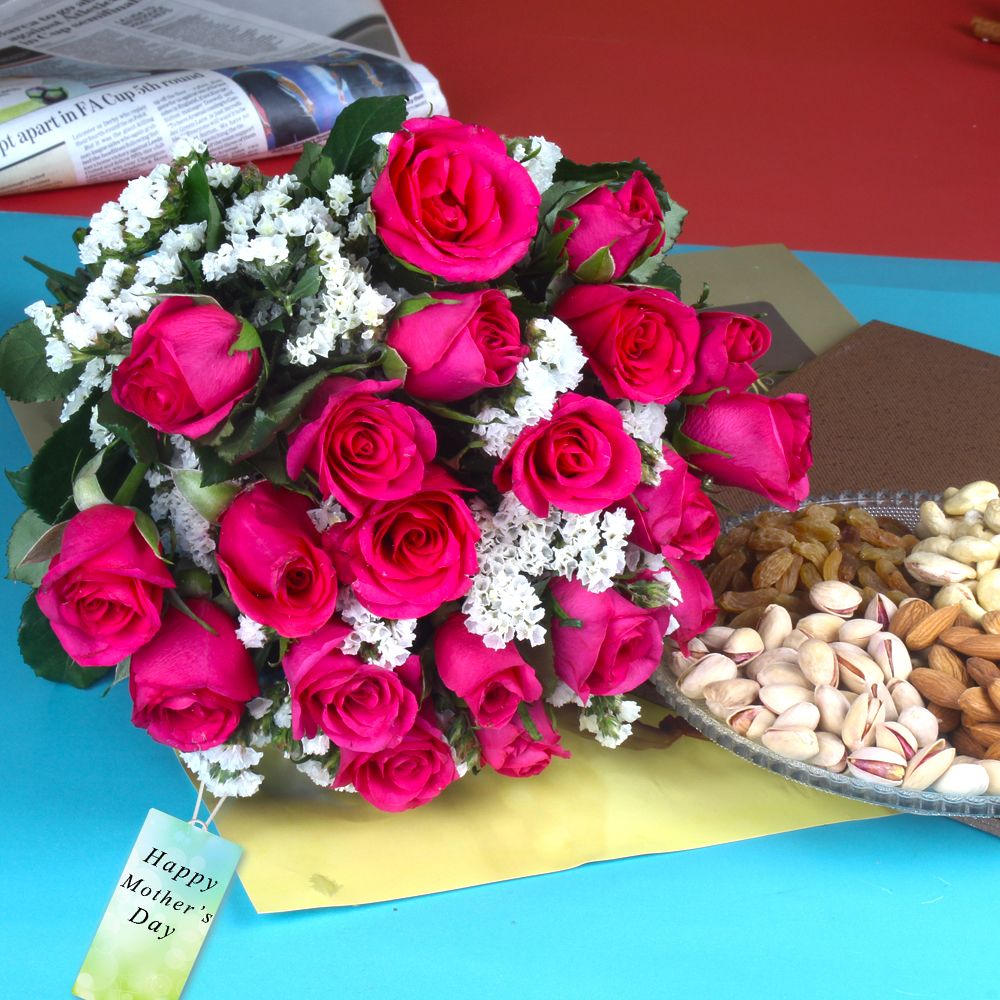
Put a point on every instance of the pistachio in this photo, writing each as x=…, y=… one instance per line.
x=953, y=593
x=977, y=494
x=833, y=706
x=963, y=779
x=882, y=693
x=768, y=658
x=991, y=515
x=821, y=626
x=857, y=669
x=928, y=764
x=752, y=721
x=861, y=719
x=804, y=715
x=832, y=753
x=743, y=645
x=818, y=663
x=779, y=697
x=794, y=639
x=992, y=768
x=774, y=626
x=783, y=673
x=891, y=654
x=721, y=697
x=904, y=696
x=796, y=744
x=713, y=667
x=880, y=609
x=972, y=550
x=933, y=568
x=895, y=736
x=835, y=597
x=882, y=767
x=857, y=631
x=921, y=722
x=933, y=520
x=937, y=543
x=988, y=591
x=715, y=637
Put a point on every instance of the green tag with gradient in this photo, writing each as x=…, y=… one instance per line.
x=159, y=914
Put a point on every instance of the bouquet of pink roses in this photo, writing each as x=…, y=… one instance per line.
x=378, y=460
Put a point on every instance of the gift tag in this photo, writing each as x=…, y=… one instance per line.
x=160, y=912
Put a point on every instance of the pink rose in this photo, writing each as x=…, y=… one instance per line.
x=451, y=202
x=764, y=440
x=641, y=342
x=628, y=223
x=696, y=610
x=103, y=591
x=469, y=342
x=730, y=343
x=359, y=706
x=360, y=446
x=492, y=682
x=409, y=774
x=510, y=750
x=674, y=518
x=179, y=376
x=273, y=561
x=616, y=647
x=405, y=558
x=189, y=686
x=579, y=460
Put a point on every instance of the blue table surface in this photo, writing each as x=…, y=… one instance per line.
x=899, y=907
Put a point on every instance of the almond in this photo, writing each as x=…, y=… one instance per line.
x=965, y=620
x=974, y=644
x=909, y=615
x=965, y=743
x=990, y=622
x=955, y=636
x=982, y=672
x=986, y=733
x=993, y=751
x=926, y=631
x=938, y=687
x=948, y=718
x=977, y=706
x=994, y=693
x=942, y=659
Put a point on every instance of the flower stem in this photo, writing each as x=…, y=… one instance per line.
x=132, y=482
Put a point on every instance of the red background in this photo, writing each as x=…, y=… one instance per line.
x=867, y=126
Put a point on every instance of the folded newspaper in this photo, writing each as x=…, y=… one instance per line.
x=100, y=90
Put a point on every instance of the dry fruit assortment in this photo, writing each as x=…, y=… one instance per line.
x=837, y=648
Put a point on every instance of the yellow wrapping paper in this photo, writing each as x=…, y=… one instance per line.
x=306, y=847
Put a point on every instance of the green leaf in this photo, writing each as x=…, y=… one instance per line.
x=201, y=205
x=417, y=303
x=121, y=674
x=213, y=469
x=87, y=491
x=67, y=288
x=248, y=340
x=24, y=373
x=265, y=423
x=606, y=173
x=657, y=275
x=598, y=268
x=46, y=485
x=307, y=285
x=42, y=651
x=393, y=364
x=178, y=602
x=210, y=501
x=350, y=147
x=688, y=446
x=28, y=530
x=527, y=721
x=446, y=411
x=127, y=427
x=146, y=527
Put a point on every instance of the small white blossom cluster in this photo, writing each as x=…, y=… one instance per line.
x=346, y=313
x=544, y=156
x=252, y=634
x=645, y=422
x=225, y=769
x=554, y=366
x=191, y=534
x=611, y=728
x=516, y=548
x=392, y=639
x=96, y=375
x=327, y=515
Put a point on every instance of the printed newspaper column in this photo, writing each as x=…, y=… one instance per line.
x=162, y=907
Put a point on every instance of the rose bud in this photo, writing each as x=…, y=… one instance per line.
x=103, y=592
x=510, y=750
x=357, y=705
x=640, y=342
x=188, y=685
x=696, y=611
x=360, y=446
x=579, y=460
x=179, y=375
x=492, y=682
x=627, y=223
x=675, y=517
x=764, y=441
x=273, y=561
x=468, y=342
x=729, y=345
x=409, y=774
x=451, y=202
x=614, y=648
x=405, y=558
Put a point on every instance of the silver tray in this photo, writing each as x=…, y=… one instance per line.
x=904, y=507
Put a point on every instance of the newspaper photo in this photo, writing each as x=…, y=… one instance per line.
x=100, y=90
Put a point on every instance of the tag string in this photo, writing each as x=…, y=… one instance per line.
x=205, y=824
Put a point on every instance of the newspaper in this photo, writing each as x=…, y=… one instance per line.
x=101, y=90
